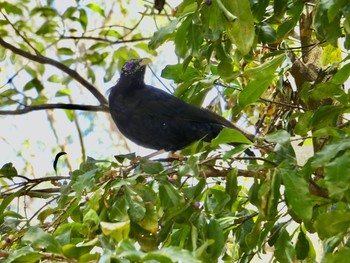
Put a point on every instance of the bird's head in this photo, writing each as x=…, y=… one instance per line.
x=135, y=67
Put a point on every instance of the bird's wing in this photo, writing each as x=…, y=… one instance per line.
x=172, y=107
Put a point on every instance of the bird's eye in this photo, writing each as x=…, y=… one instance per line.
x=129, y=66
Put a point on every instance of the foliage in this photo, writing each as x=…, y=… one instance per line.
x=278, y=66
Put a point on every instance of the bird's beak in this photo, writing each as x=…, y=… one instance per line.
x=145, y=61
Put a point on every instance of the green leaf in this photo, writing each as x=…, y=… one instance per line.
x=331, y=54
x=225, y=69
x=326, y=28
x=342, y=75
x=186, y=8
x=230, y=17
x=69, y=12
x=83, y=19
x=110, y=72
x=45, y=11
x=137, y=209
x=216, y=200
x=290, y=22
x=215, y=232
x=229, y=136
x=279, y=136
x=284, y=250
x=297, y=194
x=127, y=249
x=265, y=70
x=302, y=246
x=63, y=93
x=65, y=51
x=47, y=28
x=332, y=224
x=274, y=196
x=151, y=167
x=84, y=181
x=96, y=8
x=176, y=73
x=91, y=219
x=341, y=256
x=213, y=20
x=259, y=8
x=111, y=33
x=252, y=92
x=7, y=201
x=328, y=90
x=181, y=38
x=326, y=116
x=8, y=170
x=10, y=8
x=23, y=255
x=34, y=83
x=169, y=255
x=54, y=78
x=303, y=124
x=240, y=31
x=266, y=33
x=45, y=214
x=329, y=152
x=163, y=34
x=42, y=240
x=169, y=194
x=74, y=251
x=118, y=231
x=337, y=176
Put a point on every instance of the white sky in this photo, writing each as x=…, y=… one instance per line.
x=29, y=138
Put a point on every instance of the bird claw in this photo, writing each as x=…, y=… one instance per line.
x=173, y=155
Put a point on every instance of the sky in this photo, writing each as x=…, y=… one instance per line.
x=28, y=140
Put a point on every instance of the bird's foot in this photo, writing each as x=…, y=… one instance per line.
x=137, y=159
x=173, y=155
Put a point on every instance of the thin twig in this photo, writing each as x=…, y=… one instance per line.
x=102, y=39
x=65, y=106
x=45, y=60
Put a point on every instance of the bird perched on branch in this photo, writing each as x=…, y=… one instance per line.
x=154, y=119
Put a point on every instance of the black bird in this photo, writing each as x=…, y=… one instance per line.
x=154, y=119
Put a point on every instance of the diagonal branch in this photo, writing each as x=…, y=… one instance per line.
x=30, y=108
x=45, y=60
x=103, y=39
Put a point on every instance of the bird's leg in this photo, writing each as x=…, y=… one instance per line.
x=173, y=155
x=149, y=156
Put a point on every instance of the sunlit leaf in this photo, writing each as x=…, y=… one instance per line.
x=95, y=7
x=229, y=136
x=342, y=75
x=241, y=31
x=118, y=231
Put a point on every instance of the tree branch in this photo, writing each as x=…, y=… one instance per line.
x=45, y=60
x=102, y=39
x=27, y=109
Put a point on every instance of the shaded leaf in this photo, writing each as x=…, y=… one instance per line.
x=163, y=34
x=332, y=223
x=252, y=92
x=40, y=239
x=297, y=194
